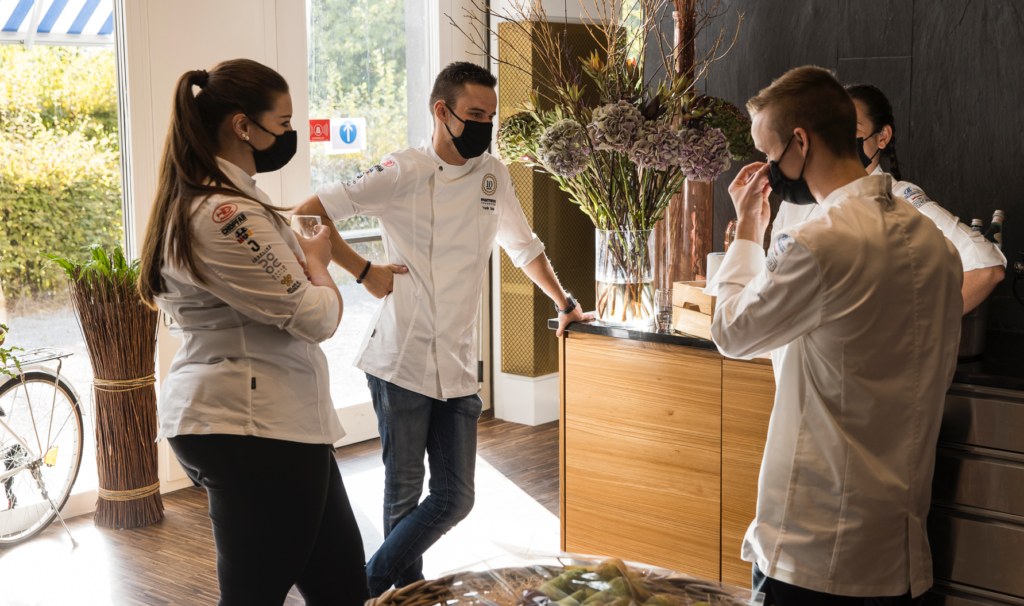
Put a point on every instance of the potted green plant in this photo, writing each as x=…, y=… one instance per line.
x=7, y=357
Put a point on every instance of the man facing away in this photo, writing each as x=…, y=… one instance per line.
x=441, y=209
x=860, y=309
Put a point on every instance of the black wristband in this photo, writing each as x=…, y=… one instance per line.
x=570, y=305
x=366, y=270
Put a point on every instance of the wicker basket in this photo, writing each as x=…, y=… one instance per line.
x=485, y=585
x=505, y=587
x=420, y=593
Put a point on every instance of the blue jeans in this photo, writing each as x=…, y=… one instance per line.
x=411, y=424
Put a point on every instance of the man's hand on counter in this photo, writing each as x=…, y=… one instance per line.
x=574, y=316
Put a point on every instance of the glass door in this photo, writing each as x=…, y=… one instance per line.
x=369, y=79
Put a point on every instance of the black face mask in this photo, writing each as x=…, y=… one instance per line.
x=475, y=137
x=278, y=154
x=864, y=159
x=794, y=191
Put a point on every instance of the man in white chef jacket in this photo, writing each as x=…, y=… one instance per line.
x=860, y=309
x=441, y=209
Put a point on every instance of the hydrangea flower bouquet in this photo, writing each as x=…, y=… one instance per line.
x=619, y=146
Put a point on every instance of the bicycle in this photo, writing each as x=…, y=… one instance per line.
x=37, y=474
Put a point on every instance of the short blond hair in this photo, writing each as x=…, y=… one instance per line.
x=811, y=98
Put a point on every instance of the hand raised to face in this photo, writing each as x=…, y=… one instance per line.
x=749, y=192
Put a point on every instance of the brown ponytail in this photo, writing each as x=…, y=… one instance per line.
x=189, y=166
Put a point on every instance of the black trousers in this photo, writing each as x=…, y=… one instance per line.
x=280, y=518
x=783, y=594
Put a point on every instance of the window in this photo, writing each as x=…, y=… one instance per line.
x=60, y=184
x=368, y=67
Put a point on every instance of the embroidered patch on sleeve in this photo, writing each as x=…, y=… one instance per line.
x=224, y=212
x=913, y=194
x=233, y=225
x=781, y=246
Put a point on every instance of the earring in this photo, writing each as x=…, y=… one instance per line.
x=245, y=136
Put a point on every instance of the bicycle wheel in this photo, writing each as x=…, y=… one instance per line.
x=48, y=419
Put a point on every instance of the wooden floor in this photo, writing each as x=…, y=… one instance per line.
x=173, y=561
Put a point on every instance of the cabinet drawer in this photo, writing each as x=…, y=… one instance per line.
x=987, y=417
x=951, y=594
x=979, y=477
x=972, y=547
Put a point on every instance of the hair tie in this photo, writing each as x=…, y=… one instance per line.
x=203, y=78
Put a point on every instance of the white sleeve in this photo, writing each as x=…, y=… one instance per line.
x=779, y=223
x=764, y=303
x=367, y=194
x=244, y=261
x=975, y=251
x=514, y=233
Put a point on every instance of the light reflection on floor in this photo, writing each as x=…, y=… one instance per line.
x=45, y=571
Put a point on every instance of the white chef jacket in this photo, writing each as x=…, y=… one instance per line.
x=440, y=221
x=860, y=309
x=975, y=251
x=249, y=363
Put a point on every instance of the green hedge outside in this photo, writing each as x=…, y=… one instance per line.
x=60, y=183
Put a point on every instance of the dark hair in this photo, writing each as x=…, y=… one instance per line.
x=810, y=97
x=189, y=166
x=453, y=80
x=879, y=111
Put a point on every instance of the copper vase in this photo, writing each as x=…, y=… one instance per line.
x=683, y=237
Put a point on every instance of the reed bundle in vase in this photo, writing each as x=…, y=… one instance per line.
x=120, y=332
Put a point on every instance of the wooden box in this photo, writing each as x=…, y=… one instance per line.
x=692, y=310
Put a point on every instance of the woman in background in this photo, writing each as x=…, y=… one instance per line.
x=984, y=264
x=246, y=405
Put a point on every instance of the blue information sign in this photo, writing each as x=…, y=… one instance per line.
x=348, y=132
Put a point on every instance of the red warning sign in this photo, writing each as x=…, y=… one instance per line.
x=319, y=130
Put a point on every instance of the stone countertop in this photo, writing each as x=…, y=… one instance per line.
x=1001, y=366
x=637, y=334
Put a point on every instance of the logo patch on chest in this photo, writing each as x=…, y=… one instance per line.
x=489, y=184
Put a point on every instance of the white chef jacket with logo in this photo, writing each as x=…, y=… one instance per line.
x=975, y=251
x=249, y=362
x=860, y=309
x=440, y=221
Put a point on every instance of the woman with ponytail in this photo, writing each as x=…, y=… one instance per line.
x=246, y=405
x=984, y=265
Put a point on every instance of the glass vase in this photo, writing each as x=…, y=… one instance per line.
x=624, y=277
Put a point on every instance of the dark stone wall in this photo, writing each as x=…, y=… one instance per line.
x=954, y=72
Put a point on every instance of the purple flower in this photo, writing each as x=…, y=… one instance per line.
x=615, y=126
x=656, y=147
x=705, y=153
x=564, y=148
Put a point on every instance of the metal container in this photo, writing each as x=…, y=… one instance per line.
x=944, y=593
x=973, y=327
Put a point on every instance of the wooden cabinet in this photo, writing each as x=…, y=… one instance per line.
x=658, y=461
x=748, y=393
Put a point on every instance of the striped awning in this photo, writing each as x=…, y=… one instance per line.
x=57, y=22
